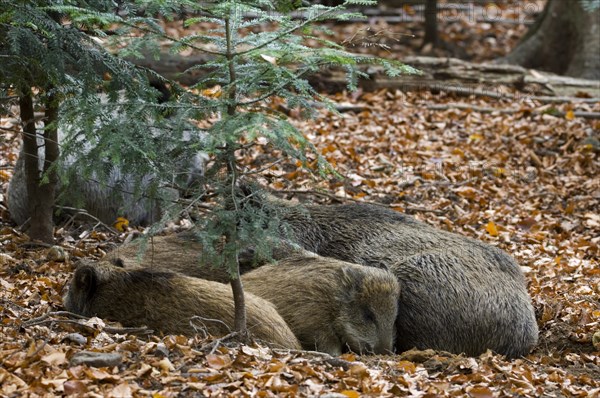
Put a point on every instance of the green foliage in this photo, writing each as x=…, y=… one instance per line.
x=39, y=49
x=259, y=52
x=259, y=49
x=59, y=48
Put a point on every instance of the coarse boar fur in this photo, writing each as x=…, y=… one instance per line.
x=331, y=305
x=113, y=196
x=179, y=253
x=456, y=293
x=167, y=301
x=103, y=201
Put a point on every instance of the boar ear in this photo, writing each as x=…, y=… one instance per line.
x=86, y=279
x=352, y=280
x=118, y=262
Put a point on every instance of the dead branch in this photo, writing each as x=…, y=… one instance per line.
x=84, y=213
x=202, y=320
x=47, y=319
x=482, y=109
x=214, y=345
x=53, y=313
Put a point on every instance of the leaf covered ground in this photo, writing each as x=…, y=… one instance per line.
x=526, y=182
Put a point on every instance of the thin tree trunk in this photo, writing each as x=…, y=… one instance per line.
x=40, y=196
x=232, y=259
x=431, y=25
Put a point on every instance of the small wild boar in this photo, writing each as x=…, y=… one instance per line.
x=178, y=253
x=166, y=301
x=457, y=294
x=330, y=305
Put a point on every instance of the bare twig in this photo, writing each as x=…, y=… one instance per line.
x=215, y=343
x=36, y=321
x=83, y=212
x=35, y=244
x=202, y=320
x=267, y=167
x=85, y=327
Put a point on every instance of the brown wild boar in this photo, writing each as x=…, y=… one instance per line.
x=457, y=294
x=331, y=305
x=178, y=253
x=166, y=301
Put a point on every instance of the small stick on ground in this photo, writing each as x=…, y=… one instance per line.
x=83, y=212
x=214, y=345
x=36, y=321
x=129, y=330
x=82, y=326
x=201, y=319
x=46, y=319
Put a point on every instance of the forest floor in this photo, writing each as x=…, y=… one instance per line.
x=526, y=182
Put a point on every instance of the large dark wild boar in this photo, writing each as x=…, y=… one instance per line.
x=457, y=294
x=330, y=305
x=166, y=301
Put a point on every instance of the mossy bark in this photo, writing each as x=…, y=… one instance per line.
x=565, y=40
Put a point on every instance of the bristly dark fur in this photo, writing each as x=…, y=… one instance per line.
x=177, y=253
x=457, y=294
x=151, y=277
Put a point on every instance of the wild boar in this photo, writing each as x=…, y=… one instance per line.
x=457, y=294
x=179, y=253
x=331, y=305
x=121, y=193
x=166, y=301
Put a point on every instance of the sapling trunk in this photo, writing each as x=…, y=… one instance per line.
x=232, y=259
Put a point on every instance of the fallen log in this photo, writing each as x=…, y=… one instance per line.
x=452, y=75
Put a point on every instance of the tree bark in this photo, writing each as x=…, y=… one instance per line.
x=565, y=40
x=232, y=259
x=431, y=26
x=40, y=195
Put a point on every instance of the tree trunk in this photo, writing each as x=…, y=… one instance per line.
x=565, y=40
x=231, y=236
x=240, y=305
x=431, y=26
x=40, y=196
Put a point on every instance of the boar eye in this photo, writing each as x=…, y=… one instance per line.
x=368, y=315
